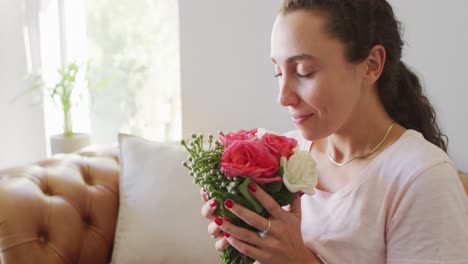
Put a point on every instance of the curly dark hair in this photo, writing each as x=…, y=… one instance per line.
x=362, y=24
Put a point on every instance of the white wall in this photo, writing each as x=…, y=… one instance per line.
x=227, y=76
x=437, y=48
x=21, y=124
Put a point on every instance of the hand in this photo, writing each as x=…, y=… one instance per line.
x=213, y=229
x=283, y=242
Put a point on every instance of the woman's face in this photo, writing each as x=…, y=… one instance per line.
x=319, y=87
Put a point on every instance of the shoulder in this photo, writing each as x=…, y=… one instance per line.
x=413, y=165
x=425, y=185
x=412, y=155
x=421, y=173
x=418, y=148
x=432, y=210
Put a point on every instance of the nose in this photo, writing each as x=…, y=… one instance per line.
x=287, y=93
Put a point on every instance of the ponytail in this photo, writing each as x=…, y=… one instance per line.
x=409, y=107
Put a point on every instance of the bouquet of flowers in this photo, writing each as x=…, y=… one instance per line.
x=226, y=166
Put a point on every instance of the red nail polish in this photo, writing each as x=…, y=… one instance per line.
x=252, y=187
x=204, y=190
x=227, y=235
x=218, y=221
x=227, y=219
x=228, y=203
x=213, y=203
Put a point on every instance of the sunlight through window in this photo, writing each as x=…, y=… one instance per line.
x=133, y=80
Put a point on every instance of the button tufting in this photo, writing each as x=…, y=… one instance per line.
x=87, y=179
x=87, y=220
x=54, y=198
x=42, y=237
x=84, y=170
x=47, y=191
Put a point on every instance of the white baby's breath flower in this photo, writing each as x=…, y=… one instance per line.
x=263, y=131
x=300, y=173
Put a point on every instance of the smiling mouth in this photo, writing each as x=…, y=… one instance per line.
x=300, y=118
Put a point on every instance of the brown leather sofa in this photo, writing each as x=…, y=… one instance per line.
x=464, y=179
x=64, y=209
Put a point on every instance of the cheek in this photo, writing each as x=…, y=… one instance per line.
x=332, y=97
x=346, y=98
x=319, y=94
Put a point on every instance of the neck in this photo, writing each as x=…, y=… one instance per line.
x=361, y=133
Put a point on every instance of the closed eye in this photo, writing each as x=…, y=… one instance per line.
x=308, y=75
x=278, y=75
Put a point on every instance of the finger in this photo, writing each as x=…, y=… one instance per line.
x=221, y=244
x=266, y=200
x=247, y=215
x=295, y=206
x=244, y=248
x=214, y=230
x=204, y=195
x=209, y=208
x=238, y=232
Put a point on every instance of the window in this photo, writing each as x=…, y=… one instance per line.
x=134, y=76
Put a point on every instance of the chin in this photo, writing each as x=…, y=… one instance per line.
x=310, y=135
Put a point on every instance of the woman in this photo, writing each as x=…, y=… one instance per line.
x=387, y=192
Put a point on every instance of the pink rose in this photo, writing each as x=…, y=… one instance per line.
x=280, y=146
x=239, y=135
x=250, y=159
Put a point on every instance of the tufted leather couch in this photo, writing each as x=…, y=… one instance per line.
x=464, y=179
x=61, y=210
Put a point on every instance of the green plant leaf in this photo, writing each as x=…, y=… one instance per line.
x=273, y=187
x=280, y=171
x=243, y=189
x=284, y=196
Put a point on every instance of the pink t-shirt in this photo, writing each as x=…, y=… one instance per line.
x=407, y=206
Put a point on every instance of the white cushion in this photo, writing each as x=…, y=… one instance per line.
x=159, y=215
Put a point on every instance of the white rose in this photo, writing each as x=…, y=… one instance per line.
x=300, y=173
x=297, y=149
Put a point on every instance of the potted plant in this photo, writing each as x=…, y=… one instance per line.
x=63, y=93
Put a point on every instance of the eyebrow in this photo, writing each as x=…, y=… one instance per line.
x=300, y=57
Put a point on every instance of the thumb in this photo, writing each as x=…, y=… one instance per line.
x=295, y=206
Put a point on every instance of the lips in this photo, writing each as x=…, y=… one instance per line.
x=301, y=117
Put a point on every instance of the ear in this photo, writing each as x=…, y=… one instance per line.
x=374, y=64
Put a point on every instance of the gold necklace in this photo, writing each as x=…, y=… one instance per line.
x=365, y=155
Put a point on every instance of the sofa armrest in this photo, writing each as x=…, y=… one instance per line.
x=61, y=210
x=464, y=180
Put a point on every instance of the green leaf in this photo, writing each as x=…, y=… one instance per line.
x=284, y=196
x=243, y=189
x=280, y=171
x=274, y=187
